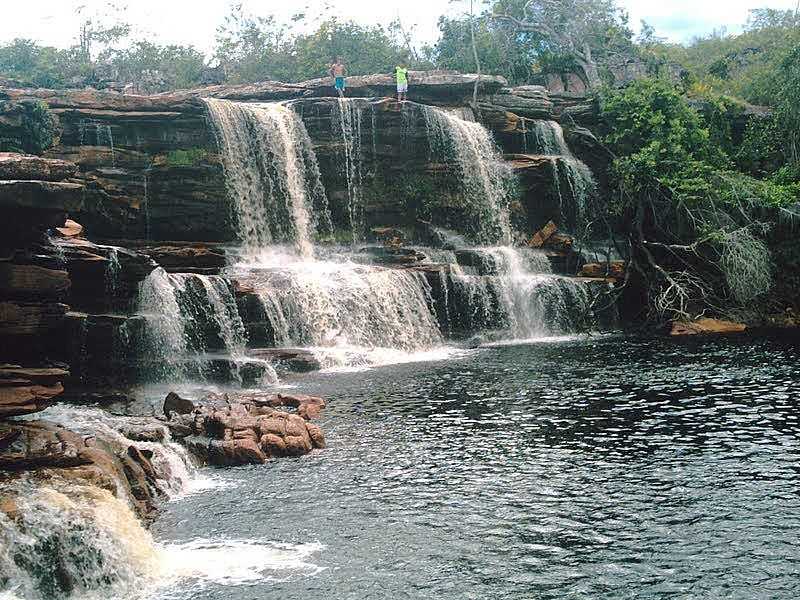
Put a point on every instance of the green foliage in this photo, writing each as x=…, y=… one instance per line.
x=659, y=137
x=30, y=127
x=739, y=65
x=652, y=126
x=256, y=48
x=186, y=158
x=675, y=169
x=761, y=150
x=501, y=49
x=41, y=66
x=176, y=66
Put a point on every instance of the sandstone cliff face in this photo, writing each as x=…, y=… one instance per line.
x=151, y=170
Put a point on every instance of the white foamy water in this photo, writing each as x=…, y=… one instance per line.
x=175, y=468
x=485, y=177
x=343, y=304
x=237, y=562
x=346, y=119
x=188, y=316
x=271, y=174
x=574, y=181
x=103, y=552
x=353, y=358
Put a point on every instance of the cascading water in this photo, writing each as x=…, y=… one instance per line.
x=349, y=312
x=346, y=119
x=271, y=173
x=71, y=539
x=485, y=178
x=165, y=324
x=188, y=316
x=113, y=268
x=547, y=138
x=514, y=292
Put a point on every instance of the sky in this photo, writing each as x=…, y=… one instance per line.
x=53, y=22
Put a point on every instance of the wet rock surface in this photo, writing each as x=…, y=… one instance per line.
x=246, y=428
x=46, y=451
x=28, y=390
x=29, y=167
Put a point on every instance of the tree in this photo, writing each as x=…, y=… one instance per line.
x=253, y=48
x=696, y=226
x=583, y=30
x=103, y=26
x=365, y=48
x=175, y=66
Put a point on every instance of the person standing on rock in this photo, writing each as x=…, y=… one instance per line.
x=401, y=75
x=338, y=72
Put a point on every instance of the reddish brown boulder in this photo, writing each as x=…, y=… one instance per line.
x=188, y=259
x=706, y=327
x=615, y=269
x=541, y=237
x=249, y=430
x=71, y=229
x=25, y=391
x=45, y=450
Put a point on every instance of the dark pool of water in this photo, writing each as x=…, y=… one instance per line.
x=601, y=468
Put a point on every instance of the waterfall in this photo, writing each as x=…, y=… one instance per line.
x=73, y=540
x=346, y=119
x=514, y=292
x=361, y=305
x=79, y=542
x=165, y=324
x=345, y=305
x=271, y=174
x=547, y=138
x=113, y=269
x=485, y=179
x=188, y=316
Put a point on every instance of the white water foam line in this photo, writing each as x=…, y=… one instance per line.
x=237, y=562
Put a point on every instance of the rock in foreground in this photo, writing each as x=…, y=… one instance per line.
x=251, y=429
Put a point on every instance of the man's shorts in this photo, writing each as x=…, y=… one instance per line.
x=402, y=88
x=339, y=85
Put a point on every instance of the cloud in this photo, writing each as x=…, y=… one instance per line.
x=681, y=20
x=54, y=22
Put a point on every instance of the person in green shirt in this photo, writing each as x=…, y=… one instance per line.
x=401, y=75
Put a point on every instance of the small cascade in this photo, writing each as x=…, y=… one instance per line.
x=103, y=136
x=146, y=201
x=73, y=541
x=224, y=317
x=193, y=328
x=76, y=540
x=346, y=119
x=485, y=179
x=573, y=180
x=166, y=342
x=271, y=173
x=113, y=269
x=346, y=305
x=513, y=292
